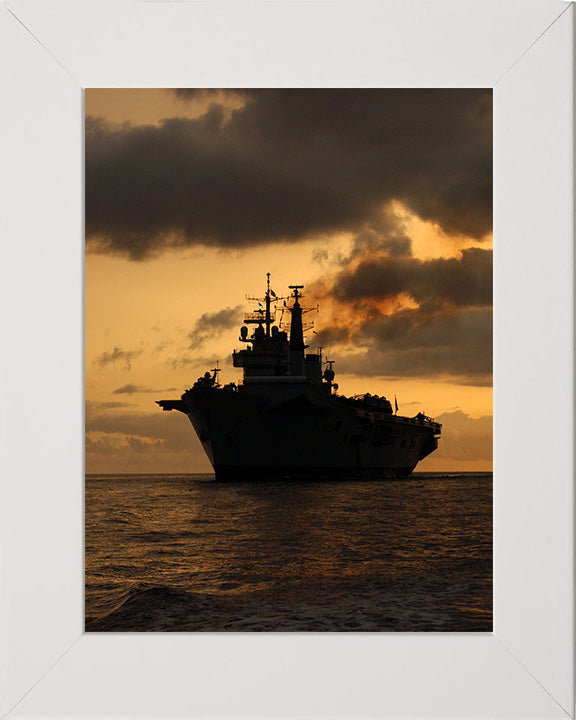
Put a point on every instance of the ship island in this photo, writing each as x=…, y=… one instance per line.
x=286, y=420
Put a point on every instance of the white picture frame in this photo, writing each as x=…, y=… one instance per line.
x=50, y=51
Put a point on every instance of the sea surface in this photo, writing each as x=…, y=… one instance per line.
x=185, y=553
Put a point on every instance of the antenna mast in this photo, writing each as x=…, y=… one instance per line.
x=263, y=316
x=268, y=316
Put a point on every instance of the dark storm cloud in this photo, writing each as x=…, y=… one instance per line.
x=131, y=389
x=454, y=344
x=118, y=355
x=288, y=164
x=464, y=281
x=386, y=236
x=418, y=329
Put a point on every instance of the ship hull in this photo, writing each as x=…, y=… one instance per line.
x=294, y=431
x=257, y=473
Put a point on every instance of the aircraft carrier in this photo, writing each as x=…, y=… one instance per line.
x=286, y=420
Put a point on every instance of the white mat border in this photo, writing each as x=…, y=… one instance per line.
x=51, y=50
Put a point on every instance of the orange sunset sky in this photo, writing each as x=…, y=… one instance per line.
x=378, y=201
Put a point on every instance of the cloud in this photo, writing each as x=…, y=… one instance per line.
x=287, y=165
x=209, y=325
x=131, y=389
x=155, y=428
x=464, y=438
x=464, y=281
x=118, y=355
x=200, y=363
x=453, y=345
x=107, y=444
x=396, y=315
x=93, y=405
x=142, y=442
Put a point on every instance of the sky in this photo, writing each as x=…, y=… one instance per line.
x=378, y=201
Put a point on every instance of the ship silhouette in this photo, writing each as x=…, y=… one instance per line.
x=286, y=419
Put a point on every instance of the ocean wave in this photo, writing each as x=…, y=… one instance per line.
x=145, y=608
x=417, y=602
x=125, y=517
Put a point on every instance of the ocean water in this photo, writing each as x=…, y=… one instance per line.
x=184, y=553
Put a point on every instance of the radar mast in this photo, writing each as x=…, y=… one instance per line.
x=263, y=316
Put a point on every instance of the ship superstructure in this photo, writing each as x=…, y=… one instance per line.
x=286, y=420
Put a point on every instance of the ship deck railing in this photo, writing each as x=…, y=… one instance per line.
x=423, y=422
